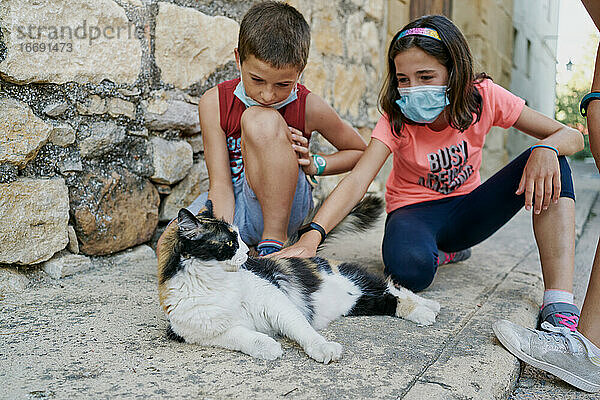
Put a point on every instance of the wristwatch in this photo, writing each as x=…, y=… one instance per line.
x=320, y=163
x=313, y=226
x=586, y=100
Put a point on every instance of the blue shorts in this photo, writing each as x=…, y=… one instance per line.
x=248, y=215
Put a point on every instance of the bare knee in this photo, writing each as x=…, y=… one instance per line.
x=263, y=126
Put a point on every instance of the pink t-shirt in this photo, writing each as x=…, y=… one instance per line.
x=430, y=165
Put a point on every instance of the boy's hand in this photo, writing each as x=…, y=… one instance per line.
x=300, y=146
x=541, y=177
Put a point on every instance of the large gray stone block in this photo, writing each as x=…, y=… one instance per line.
x=34, y=215
x=89, y=41
x=195, y=183
x=191, y=45
x=172, y=160
x=22, y=134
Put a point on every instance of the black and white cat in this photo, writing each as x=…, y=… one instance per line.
x=214, y=295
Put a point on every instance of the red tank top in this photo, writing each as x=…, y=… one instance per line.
x=231, y=109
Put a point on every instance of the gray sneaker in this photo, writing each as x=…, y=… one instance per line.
x=451, y=258
x=559, y=351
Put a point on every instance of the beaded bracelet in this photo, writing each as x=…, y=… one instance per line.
x=547, y=146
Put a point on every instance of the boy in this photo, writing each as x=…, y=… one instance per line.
x=256, y=131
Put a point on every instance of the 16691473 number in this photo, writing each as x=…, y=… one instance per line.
x=50, y=47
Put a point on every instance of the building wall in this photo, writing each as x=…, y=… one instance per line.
x=100, y=143
x=488, y=28
x=535, y=27
x=487, y=25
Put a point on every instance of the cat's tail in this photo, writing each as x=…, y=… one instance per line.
x=361, y=218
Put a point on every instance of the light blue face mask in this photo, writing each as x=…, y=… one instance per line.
x=240, y=93
x=422, y=104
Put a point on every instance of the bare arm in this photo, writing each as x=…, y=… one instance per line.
x=541, y=176
x=217, y=156
x=593, y=110
x=345, y=196
x=593, y=8
x=321, y=117
x=567, y=140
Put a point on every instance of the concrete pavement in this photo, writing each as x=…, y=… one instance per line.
x=100, y=333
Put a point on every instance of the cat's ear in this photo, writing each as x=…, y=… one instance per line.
x=187, y=223
x=207, y=211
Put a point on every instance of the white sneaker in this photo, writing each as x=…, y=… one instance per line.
x=559, y=351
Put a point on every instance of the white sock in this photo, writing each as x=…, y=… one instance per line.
x=557, y=296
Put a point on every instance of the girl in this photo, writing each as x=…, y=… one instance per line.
x=436, y=115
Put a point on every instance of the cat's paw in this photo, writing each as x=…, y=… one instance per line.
x=431, y=304
x=422, y=315
x=324, y=352
x=266, y=349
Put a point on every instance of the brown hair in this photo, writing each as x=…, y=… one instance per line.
x=453, y=52
x=275, y=33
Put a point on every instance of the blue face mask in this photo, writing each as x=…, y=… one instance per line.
x=422, y=104
x=240, y=93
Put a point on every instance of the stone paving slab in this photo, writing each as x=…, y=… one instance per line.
x=534, y=384
x=100, y=334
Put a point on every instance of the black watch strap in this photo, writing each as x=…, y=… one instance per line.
x=313, y=226
x=585, y=101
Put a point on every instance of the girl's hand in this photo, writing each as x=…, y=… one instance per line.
x=300, y=146
x=305, y=247
x=541, y=177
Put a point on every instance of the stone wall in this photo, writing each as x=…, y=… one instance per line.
x=100, y=142
x=488, y=27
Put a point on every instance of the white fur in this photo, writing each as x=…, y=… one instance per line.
x=336, y=296
x=239, y=311
x=218, y=304
x=423, y=311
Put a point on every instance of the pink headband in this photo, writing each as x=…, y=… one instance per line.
x=432, y=33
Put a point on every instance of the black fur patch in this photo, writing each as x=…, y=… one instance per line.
x=375, y=300
x=368, y=211
x=265, y=268
x=173, y=336
x=220, y=243
x=172, y=266
x=205, y=238
x=296, y=272
x=322, y=264
x=306, y=276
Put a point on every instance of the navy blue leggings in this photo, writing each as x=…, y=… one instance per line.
x=414, y=233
